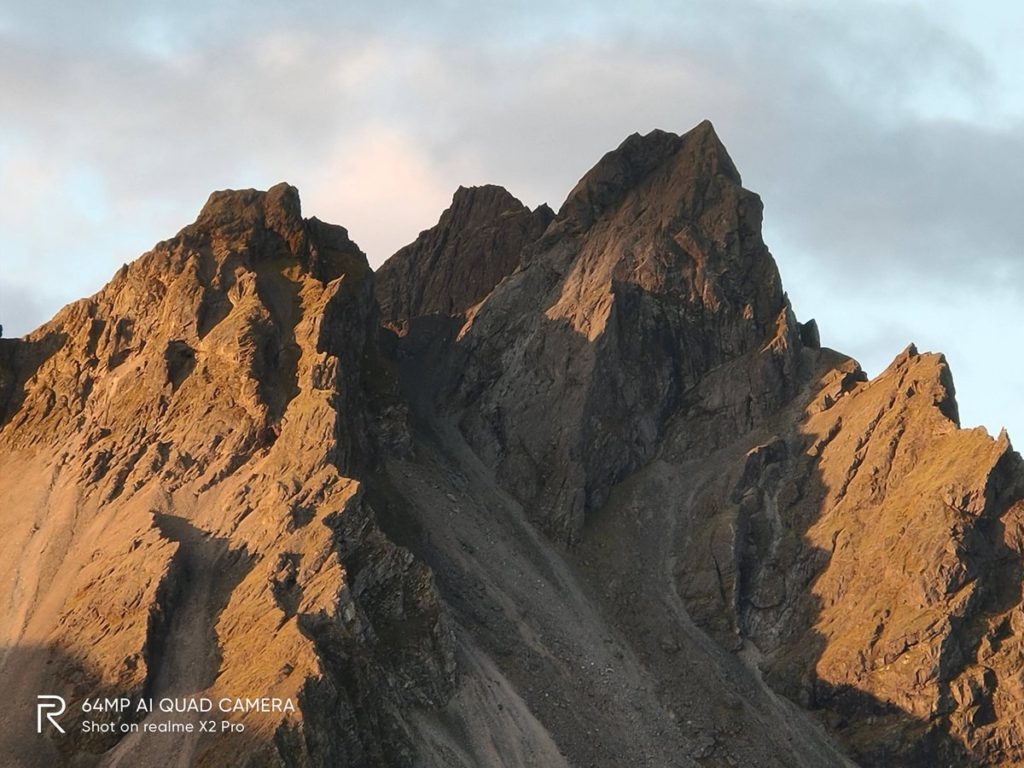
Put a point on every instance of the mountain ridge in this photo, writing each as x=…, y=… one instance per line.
x=563, y=488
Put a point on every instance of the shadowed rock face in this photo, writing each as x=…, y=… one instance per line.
x=652, y=274
x=592, y=496
x=478, y=241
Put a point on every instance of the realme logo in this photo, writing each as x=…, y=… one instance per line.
x=52, y=707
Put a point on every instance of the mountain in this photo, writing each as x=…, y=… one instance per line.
x=559, y=489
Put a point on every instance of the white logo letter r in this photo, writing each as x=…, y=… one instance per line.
x=46, y=703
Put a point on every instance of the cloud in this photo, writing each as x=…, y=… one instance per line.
x=361, y=179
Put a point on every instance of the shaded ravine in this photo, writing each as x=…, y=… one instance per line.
x=183, y=655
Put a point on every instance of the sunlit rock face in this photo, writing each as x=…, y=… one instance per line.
x=183, y=517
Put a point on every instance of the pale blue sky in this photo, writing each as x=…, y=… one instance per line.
x=885, y=138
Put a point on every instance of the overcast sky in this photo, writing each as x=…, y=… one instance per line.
x=886, y=139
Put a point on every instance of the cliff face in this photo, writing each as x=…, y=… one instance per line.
x=879, y=569
x=479, y=240
x=571, y=489
x=858, y=549
x=652, y=274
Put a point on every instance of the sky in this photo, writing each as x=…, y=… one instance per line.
x=886, y=139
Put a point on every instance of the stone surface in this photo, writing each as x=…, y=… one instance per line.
x=652, y=275
x=478, y=241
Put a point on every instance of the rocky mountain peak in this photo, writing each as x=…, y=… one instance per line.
x=478, y=240
x=473, y=206
x=653, y=273
x=709, y=151
x=218, y=400
x=940, y=379
x=658, y=164
x=277, y=208
x=269, y=225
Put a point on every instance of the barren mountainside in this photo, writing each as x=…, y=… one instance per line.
x=547, y=489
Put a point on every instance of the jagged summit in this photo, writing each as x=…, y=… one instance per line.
x=474, y=205
x=663, y=178
x=270, y=224
x=214, y=408
x=591, y=496
x=658, y=159
x=477, y=241
x=653, y=273
x=277, y=208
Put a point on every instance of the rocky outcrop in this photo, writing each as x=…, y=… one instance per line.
x=478, y=241
x=184, y=466
x=879, y=569
x=650, y=294
x=856, y=548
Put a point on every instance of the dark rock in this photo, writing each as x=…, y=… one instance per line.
x=478, y=241
x=809, y=335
